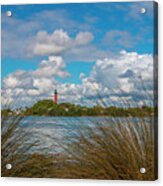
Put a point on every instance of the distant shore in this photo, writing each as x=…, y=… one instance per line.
x=49, y=108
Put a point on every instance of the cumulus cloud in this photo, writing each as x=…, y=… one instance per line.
x=83, y=38
x=24, y=44
x=58, y=42
x=54, y=66
x=39, y=82
x=16, y=43
x=128, y=76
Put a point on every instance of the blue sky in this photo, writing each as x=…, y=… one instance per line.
x=87, y=32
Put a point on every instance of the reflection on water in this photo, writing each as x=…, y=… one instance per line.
x=52, y=133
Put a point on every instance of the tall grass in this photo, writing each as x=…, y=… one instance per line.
x=13, y=150
x=104, y=151
x=115, y=152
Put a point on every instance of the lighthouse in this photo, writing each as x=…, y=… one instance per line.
x=55, y=96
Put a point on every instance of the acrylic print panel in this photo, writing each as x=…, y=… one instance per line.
x=79, y=91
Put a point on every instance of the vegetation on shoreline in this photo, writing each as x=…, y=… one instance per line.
x=49, y=108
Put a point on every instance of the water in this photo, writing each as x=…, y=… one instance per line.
x=53, y=133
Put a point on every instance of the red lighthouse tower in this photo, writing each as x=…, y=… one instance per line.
x=55, y=97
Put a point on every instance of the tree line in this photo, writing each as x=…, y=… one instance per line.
x=49, y=108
